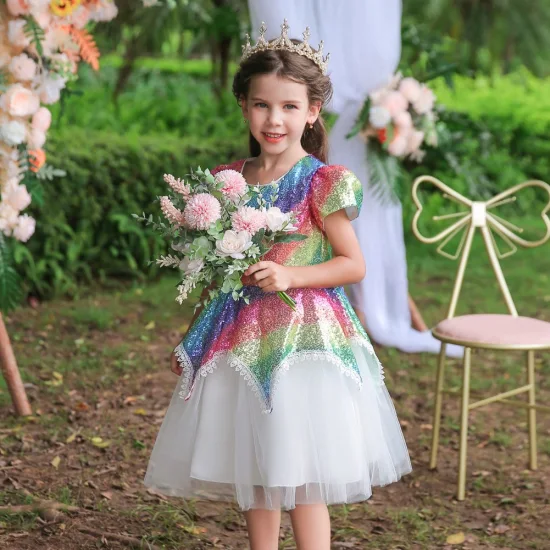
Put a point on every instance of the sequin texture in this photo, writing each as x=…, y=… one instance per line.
x=263, y=338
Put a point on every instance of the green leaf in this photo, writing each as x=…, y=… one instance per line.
x=290, y=238
x=34, y=33
x=384, y=174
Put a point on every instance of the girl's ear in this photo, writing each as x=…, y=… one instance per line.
x=314, y=110
x=244, y=106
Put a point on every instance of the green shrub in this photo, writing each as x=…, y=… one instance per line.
x=84, y=228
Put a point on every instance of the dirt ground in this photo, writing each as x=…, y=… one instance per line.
x=99, y=396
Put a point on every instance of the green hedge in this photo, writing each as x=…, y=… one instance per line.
x=84, y=227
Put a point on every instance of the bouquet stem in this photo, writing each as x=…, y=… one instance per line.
x=287, y=300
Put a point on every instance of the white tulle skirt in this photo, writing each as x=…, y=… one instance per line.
x=326, y=440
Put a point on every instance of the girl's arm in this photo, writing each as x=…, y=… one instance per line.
x=346, y=267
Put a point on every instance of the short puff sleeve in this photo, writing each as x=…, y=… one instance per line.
x=334, y=187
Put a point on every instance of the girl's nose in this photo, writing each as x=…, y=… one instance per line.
x=275, y=117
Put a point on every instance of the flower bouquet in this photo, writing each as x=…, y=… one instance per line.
x=395, y=121
x=216, y=233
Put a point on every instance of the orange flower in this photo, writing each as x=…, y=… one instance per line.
x=37, y=158
x=62, y=8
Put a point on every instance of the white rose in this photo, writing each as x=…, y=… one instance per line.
x=191, y=266
x=275, y=218
x=410, y=88
x=233, y=244
x=24, y=229
x=18, y=198
x=23, y=67
x=50, y=89
x=379, y=117
x=425, y=101
x=8, y=218
x=13, y=132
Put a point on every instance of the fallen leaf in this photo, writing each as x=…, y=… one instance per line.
x=55, y=462
x=457, y=538
x=98, y=442
x=501, y=529
x=141, y=412
x=193, y=530
x=107, y=494
x=71, y=438
x=150, y=326
x=426, y=427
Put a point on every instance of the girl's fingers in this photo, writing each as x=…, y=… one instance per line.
x=174, y=365
x=257, y=267
x=262, y=274
x=265, y=283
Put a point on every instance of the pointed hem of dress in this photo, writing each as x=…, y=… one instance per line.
x=189, y=376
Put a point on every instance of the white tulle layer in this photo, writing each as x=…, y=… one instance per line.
x=326, y=440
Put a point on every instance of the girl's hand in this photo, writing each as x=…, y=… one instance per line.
x=174, y=365
x=269, y=276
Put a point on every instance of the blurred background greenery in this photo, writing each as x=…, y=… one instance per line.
x=161, y=102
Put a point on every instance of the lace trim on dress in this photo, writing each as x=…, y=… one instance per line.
x=187, y=385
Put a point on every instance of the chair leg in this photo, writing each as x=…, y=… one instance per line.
x=438, y=402
x=531, y=411
x=464, y=424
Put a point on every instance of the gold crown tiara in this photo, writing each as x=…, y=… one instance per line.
x=284, y=43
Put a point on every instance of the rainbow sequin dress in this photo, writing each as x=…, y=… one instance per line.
x=276, y=407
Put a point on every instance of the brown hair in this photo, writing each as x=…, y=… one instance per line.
x=300, y=69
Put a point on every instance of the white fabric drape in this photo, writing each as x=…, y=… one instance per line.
x=364, y=40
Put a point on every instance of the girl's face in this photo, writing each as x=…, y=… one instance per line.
x=278, y=112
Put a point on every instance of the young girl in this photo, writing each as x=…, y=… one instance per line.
x=283, y=409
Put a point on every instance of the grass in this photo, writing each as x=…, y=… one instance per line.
x=97, y=366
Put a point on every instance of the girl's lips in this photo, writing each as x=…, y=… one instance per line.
x=272, y=139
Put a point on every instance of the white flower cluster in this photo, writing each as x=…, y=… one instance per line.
x=32, y=74
x=401, y=117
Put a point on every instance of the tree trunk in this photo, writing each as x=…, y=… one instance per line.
x=11, y=373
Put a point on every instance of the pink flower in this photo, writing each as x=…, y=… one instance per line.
x=37, y=138
x=414, y=141
x=425, y=101
x=248, y=219
x=19, y=101
x=234, y=184
x=19, y=198
x=395, y=103
x=42, y=119
x=202, y=211
x=172, y=214
x=18, y=7
x=178, y=185
x=403, y=120
x=24, y=229
x=23, y=67
x=410, y=88
x=16, y=35
x=398, y=145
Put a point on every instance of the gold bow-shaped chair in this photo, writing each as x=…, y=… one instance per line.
x=484, y=331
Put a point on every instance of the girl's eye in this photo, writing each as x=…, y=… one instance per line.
x=291, y=106
x=259, y=104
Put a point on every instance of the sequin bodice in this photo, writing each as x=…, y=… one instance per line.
x=263, y=338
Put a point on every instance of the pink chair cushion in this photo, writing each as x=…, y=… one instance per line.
x=496, y=329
